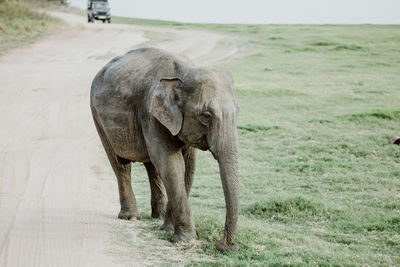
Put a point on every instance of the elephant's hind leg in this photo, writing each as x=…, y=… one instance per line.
x=122, y=169
x=158, y=193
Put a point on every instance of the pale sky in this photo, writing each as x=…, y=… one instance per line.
x=259, y=11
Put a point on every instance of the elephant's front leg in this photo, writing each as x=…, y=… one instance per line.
x=158, y=195
x=172, y=171
x=189, y=157
x=170, y=165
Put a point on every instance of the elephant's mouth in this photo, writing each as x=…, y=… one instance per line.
x=201, y=143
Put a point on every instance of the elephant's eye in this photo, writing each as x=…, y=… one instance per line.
x=205, y=117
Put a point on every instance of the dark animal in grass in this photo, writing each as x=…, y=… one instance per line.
x=154, y=107
x=395, y=140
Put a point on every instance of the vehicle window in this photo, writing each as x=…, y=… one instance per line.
x=99, y=5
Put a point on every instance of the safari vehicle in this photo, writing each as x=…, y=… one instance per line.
x=98, y=9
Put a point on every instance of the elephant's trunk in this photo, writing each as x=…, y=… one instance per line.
x=224, y=147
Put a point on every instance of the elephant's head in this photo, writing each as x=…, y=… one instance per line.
x=201, y=110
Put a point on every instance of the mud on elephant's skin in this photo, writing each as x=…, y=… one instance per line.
x=154, y=107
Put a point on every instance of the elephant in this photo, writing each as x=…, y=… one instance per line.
x=157, y=108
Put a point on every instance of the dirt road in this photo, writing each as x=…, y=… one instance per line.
x=58, y=194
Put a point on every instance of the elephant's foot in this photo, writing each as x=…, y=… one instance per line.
x=158, y=206
x=158, y=212
x=128, y=215
x=167, y=226
x=223, y=246
x=183, y=237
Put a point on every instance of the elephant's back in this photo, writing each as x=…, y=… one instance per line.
x=130, y=75
x=119, y=94
x=123, y=72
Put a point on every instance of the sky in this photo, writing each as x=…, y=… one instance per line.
x=259, y=11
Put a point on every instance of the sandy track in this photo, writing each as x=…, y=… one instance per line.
x=58, y=195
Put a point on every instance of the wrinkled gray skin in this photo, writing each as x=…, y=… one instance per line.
x=154, y=107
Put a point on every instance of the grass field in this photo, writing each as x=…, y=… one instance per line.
x=21, y=24
x=320, y=181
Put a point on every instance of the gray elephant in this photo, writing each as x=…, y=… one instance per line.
x=154, y=107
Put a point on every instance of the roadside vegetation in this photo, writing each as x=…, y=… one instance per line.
x=21, y=23
x=320, y=181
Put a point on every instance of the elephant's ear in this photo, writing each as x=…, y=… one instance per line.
x=164, y=104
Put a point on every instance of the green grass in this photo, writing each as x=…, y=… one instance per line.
x=319, y=179
x=21, y=24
